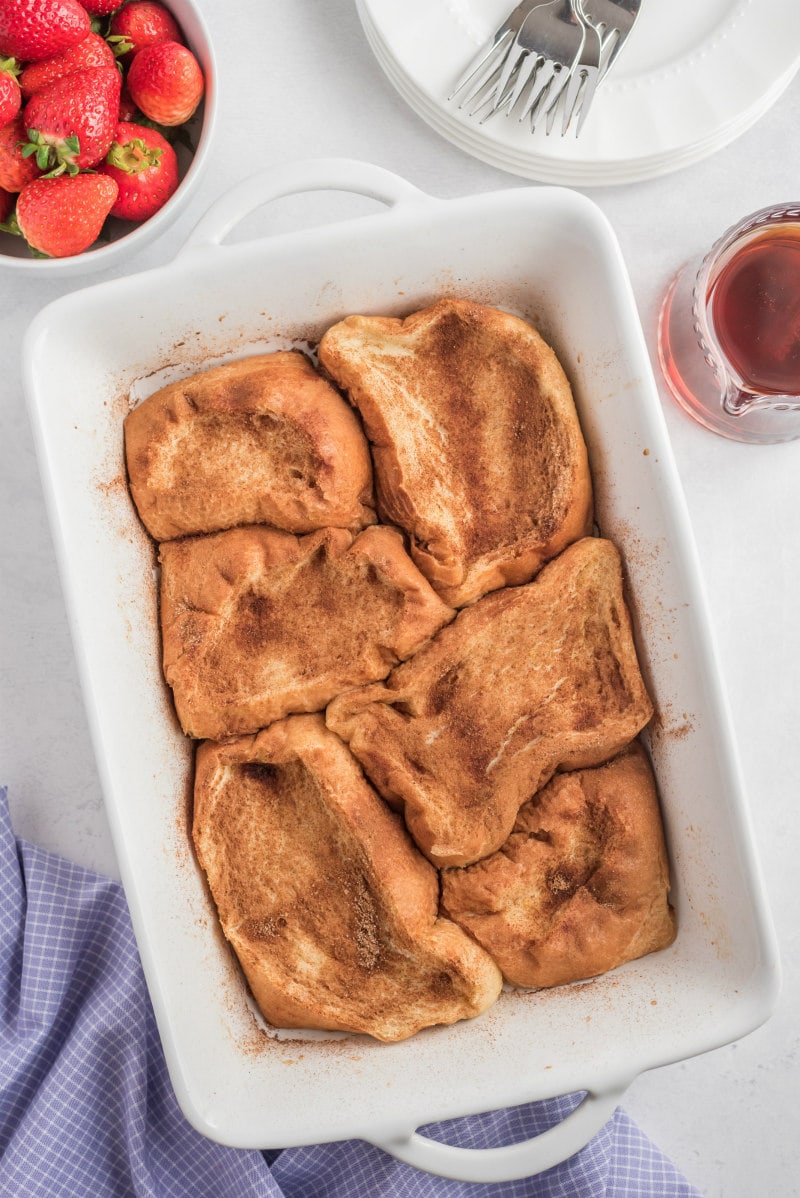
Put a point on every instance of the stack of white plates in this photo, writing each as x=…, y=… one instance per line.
x=693, y=75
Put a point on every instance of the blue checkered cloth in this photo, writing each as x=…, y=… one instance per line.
x=86, y=1106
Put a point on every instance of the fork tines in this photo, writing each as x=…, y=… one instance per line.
x=546, y=59
x=485, y=64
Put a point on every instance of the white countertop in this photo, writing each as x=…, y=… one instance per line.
x=306, y=85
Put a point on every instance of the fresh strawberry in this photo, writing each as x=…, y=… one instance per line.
x=10, y=95
x=10, y=98
x=34, y=29
x=71, y=121
x=143, y=165
x=63, y=216
x=15, y=171
x=100, y=8
x=142, y=23
x=7, y=201
x=93, y=51
x=166, y=82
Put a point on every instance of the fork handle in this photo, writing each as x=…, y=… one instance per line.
x=294, y=178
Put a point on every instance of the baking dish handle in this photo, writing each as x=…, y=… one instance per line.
x=293, y=178
x=514, y=1161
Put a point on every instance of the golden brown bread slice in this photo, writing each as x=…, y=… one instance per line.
x=263, y=440
x=330, y=909
x=580, y=886
x=477, y=448
x=528, y=680
x=258, y=623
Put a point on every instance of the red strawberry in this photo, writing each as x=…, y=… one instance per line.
x=71, y=121
x=15, y=171
x=143, y=165
x=100, y=8
x=142, y=23
x=10, y=96
x=63, y=216
x=6, y=204
x=93, y=51
x=166, y=82
x=34, y=29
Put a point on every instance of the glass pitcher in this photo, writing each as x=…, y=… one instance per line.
x=729, y=330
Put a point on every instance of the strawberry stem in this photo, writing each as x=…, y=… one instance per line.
x=133, y=156
x=119, y=44
x=53, y=157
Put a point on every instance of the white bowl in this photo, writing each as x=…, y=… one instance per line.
x=126, y=238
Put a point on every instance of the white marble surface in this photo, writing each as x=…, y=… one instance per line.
x=302, y=83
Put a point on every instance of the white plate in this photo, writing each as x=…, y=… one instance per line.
x=591, y=175
x=691, y=78
x=580, y=175
x=549, y=255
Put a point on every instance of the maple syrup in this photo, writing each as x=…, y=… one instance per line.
x=754, y=306
x=729, y=330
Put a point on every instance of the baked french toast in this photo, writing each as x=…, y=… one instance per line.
x=331, y=910
x=526, y=681
x=580, y=886
x=476, y=444
x=358, y=730
x=261, y=440
x=257, y=624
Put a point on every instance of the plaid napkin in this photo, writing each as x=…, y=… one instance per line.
x=87, y=1110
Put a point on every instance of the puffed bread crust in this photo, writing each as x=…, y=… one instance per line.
x=526, y=681
x=257, y=624
x=262, y=440
x=476, y=443
x=580, y=886
x=330, y=909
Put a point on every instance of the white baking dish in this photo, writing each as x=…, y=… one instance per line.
x=549, y=255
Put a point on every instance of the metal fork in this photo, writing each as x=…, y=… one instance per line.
x=613, y=20
x=580, y=89
x=548, y=45
x=608, y=24
x=490, y=58
x=545, y=52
